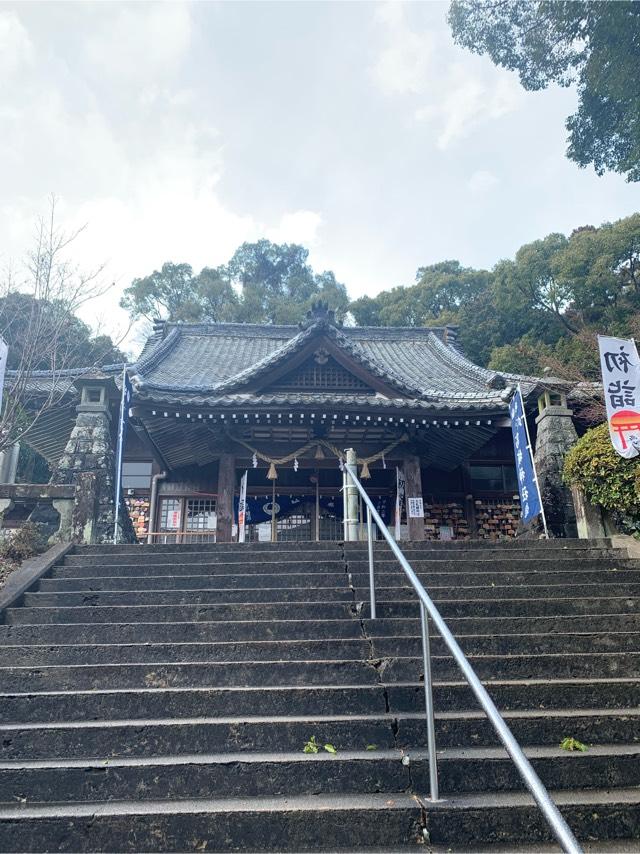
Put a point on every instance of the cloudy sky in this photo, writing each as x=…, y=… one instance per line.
x=177, y=131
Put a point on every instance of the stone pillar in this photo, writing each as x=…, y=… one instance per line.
x=593, y=522
x=9, y=463
x=88, y=462
x=64, y=506
x=226, y=492
x=5, y=505
x=413, y=489
x=556, y=434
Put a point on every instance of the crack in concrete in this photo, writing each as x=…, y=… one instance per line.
x=379, y=664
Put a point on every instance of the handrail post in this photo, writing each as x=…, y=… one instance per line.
x=344, y=504
x=352, y=500
x=428, y=702
x=372, y=581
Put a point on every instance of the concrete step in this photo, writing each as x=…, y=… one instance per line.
x=271, y=608
x=452, y=696
x=342, y=593
x=280, y=550
x=104, y=739
x=346, y=822
x=482, y=818
x=180, y=613
x=614, y=626
x=432, y=580
x=468, y=594
x=311, y=648
x=558, y=607
x=213, y=596
x=484, y=545
x=498, y=564
x=257, y=568
x=296, y=773
x=186, y=632
x=328, y=545
x=390, y=669
x=279, y=650
x=213, y=557
x=165, y=675
x=342, y=823
x=302, y=563
x=147, y=581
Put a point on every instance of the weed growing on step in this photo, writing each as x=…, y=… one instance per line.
x=570, y=743
x=311, y=746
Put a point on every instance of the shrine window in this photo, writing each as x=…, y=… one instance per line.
x=493, y=478
x=136, y=475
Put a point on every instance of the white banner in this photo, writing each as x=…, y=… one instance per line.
x=3, y=366
x=399, y=499
x=242, y=507
x=620, y=367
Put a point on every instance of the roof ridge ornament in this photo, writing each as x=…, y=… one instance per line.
x=320, y=314
x=496, y=381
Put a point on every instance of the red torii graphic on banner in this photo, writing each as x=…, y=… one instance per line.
x=625, y=421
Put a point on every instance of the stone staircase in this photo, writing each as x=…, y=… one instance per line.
x=158, y=698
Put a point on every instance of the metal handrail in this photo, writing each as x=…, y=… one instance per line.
x=556, y=822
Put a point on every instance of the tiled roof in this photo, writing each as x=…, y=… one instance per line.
x=212, y=365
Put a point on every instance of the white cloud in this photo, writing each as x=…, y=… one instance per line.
x=402, y=65
x=16, y=48
x=457, y=92
x=469, y=100
x=297, y=227
x=141, y=40
x=481, y=181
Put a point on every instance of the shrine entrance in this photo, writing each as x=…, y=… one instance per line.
x=304, y=505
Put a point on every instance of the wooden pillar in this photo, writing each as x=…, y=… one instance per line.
x=469, y=503
x=226, y=491
x=413, y=489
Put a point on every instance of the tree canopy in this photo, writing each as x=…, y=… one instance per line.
x=540, y=309
x=592, y=44
x=263, y=282
x=76, y=345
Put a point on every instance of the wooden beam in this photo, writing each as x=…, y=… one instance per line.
x=226, y=492
x=413, y=489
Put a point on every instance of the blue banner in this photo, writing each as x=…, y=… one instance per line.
x=259, y=509
x=530, y=502
x=127, y=391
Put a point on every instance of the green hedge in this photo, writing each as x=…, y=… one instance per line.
x=606, y=478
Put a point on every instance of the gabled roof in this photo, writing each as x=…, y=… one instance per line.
x=227, y=363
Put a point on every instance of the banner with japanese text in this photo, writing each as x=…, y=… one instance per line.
x=242, y=507
x=125, y=400
x=530, y=501
x=620, y=379
x=400, y=487
x=4, y=352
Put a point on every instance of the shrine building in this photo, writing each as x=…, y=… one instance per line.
x=283, y=403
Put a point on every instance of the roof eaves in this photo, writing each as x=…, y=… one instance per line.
x=457, y=403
